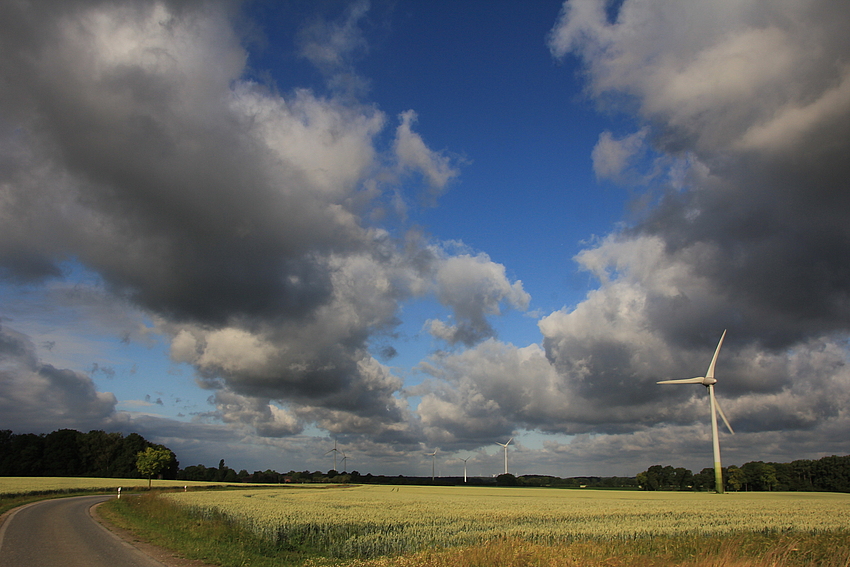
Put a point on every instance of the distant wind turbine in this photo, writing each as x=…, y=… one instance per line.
x=464, y=467
x=433, y=463
x=344, y=458
x=505, y=445
x=334, y=451
x=709, y=381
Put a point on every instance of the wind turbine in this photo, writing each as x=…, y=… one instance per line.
x=344, y=458
x=505, y=445
x=709, y=381
x=433, y=463
x=334, y=451
x=464, y=467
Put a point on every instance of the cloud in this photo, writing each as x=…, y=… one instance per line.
x=40, y=397
x=474, y=287
x=412, y=153
x=743, y=233
x=333, y=46
x=268, y=420
x=612, y=157
x=237, y=220
x=759, y=222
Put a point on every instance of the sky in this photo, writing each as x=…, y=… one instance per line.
x=251, y=230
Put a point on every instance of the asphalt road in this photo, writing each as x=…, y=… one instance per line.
x=62, y=533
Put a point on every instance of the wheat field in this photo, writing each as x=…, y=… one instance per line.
x=20, y=485
x=372, y=521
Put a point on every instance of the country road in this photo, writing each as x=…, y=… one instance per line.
x=62, y=533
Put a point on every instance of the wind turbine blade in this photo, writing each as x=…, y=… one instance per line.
x=723, y=415
x=509, y=441
x=697, y=380
x=710, y=372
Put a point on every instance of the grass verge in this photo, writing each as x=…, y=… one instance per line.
x=219, y=541
x=215, y=540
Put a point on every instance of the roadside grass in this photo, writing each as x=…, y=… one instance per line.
x=220, y=541
x=213, y=539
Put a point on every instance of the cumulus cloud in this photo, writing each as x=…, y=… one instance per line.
x=35, y=396
x=267, y=419
x=743, y=231
x=412, y=153
x=747, y=107
x=473, y=287
x=612, y=157
x=759, y=223
x=237, y=219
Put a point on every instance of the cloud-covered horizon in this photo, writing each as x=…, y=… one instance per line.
x=264, y=234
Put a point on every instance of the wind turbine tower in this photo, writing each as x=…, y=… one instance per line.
x=433, y=463
x=464, y=467
x=505, y=445
x=709, y=381
x=334, y=451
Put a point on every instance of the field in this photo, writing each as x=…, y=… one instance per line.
x=371, y=521
x=20, y=485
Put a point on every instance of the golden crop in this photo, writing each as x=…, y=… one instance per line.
x=369, y=521
x=12, y=485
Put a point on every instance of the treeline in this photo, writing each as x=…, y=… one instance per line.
x=571, y=482
x=828, y=474
x=67, y=452
x=223, y=473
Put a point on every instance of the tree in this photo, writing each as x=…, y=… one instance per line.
x=735, y=478
x=153, y=460
x=682, y=478
x=506, y=479
x=768, y=476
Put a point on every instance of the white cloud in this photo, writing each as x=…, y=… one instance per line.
x=267, y=419
x=412, y=153
x=474, y=287
x=612, y=157
x=709, y=71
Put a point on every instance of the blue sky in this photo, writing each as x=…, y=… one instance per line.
x=246, y=230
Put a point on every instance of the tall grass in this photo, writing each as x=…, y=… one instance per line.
x=213, y=538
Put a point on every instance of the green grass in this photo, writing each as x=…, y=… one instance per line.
x=222, y=540
x=214, y=538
